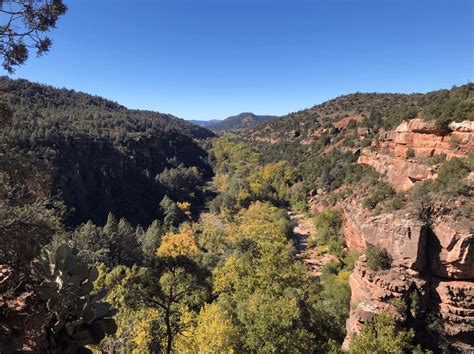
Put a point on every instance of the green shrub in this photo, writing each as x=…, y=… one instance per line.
x=399, y=304
x=349, y=260
x=328, y=226
x=398, y=113
x=397, y=202
x=451, y=176
x=299, y=206
x=381, y=193
x=436, y=159
x=381, y=335
x=378, y=258
x=410, y=153
x=446, y=106
x=352, y=124
x=453, y=143
x=450, y=182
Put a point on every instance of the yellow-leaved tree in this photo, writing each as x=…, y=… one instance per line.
x=182, y=243
x=221, y=182
x=185, y=208
x=213, y=332
x=262, y=223
x=144, y=332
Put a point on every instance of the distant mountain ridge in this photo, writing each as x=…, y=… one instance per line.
x=204, y=123
x=240, y=121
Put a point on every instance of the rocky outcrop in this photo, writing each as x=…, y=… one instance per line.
x=379, y=292
x=401, y=173
x=431, y=261
x=456, y=305
x=401, y=154
x=455, y=308
x=451, y=249
x=353, y=234
x=436, y=261
x=401, y=234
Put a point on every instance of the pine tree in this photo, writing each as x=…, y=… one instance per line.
x=151, y=240
x=173, y=215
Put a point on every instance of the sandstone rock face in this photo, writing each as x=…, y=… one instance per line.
x=353, y=234
x=452, y=250
x=391, y=155
x=418, y=125
x=378, y=292
x=466, y=126
x=436, y=261
x=456, y=309
x=402, y=235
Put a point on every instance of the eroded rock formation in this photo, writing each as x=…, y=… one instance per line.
x=401, y=154
x=436, y=262
x=433, y=260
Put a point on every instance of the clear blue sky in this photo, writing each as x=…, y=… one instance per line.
x=204, y=59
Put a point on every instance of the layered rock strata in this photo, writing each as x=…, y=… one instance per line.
x=433, y=260
x=401, y=154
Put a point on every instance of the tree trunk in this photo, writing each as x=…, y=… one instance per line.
x=169, y=333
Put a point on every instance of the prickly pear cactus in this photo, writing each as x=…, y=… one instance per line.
x=78, y=318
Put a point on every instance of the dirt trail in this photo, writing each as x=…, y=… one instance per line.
x=302, y=229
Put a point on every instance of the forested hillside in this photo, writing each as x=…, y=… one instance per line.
x=323, y=141
x=103, y=157
x=41, y=110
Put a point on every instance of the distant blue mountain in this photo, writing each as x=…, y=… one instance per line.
x=204, y=123
x=241, y=121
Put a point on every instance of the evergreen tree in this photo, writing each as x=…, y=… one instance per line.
x=90, y=244
x=26, y=23
x=381, y=336
x=151, y=241
x=128, y=249
x=173, y=215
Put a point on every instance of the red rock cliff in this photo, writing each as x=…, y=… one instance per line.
x=433, y=261
x=401, y=154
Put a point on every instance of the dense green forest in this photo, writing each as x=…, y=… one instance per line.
x=103, y=157
x=173, y=240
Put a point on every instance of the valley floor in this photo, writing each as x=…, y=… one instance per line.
x=312, y=256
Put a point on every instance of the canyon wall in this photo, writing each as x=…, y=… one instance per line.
x=432, y=269
x=403, y=154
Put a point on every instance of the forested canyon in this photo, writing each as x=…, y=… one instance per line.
x=343, y=227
